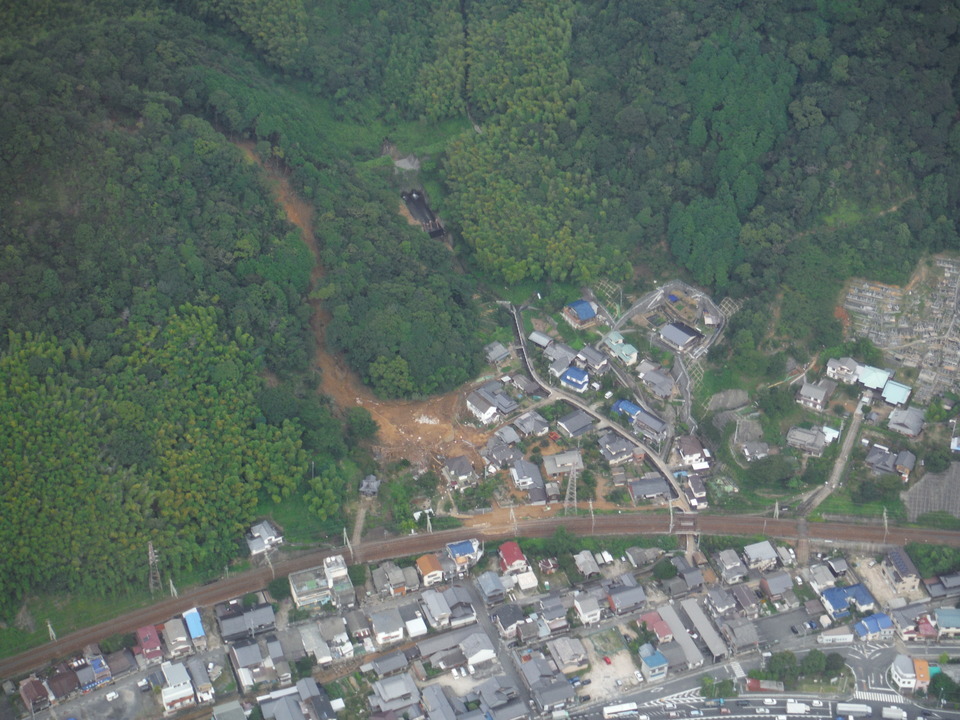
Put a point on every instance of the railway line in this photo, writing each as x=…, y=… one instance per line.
x=625, y=524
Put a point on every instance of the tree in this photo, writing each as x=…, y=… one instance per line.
x=834, y=664
x=664, y=570
x=360, y=424
x=813, y=663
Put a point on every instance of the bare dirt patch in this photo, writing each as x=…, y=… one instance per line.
x=403, y=433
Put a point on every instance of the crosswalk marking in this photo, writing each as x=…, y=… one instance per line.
x=738, y=672
x=878, y=696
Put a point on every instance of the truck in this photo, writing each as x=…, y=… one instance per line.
x=716, y=702
x=892, y=712
x=797, y=708
x=854, y=710
x=623, y=710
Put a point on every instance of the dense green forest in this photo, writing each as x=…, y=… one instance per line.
x=150, y=285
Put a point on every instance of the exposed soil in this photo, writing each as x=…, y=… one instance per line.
x=420, y=430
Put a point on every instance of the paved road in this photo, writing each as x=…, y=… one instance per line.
x=624, y=524
x=853, y=432
x=602, y=422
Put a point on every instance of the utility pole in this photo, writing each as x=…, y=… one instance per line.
x=776, y=510
x=346, y=541
x=593, y=520
x=53, y=635
x=173, y=589
x=886, y=527
x=429, y=524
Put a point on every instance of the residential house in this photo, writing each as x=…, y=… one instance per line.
x=525, y=385
x=580, y=314
x=435, y=609
x=591, y=359
x=358, y=624
x=947, y=622
x=200, y=681
x=641, y=557
x=263, y=537
x=692, y=452
x=481, y=408
x=563, y=462
x=177, y=691
x=740, y=633
x=575, y=424
x=845, y=370
x=588, y=609
x=249, y=664
x=906, y=421
x=551, y=691
x=575, y=379
x=507, y=618
x=413, y=621
x=732, y=570
x=650, y=486
x=586, y=563
x=755, y=450
x=569, y=654
x=873, y=378
x=746, y=599
x=395, y=695
x=896, y=394
x=491, y=588
x=34, y=695
x=653, y=665
x=708, y=634
x=691, y=657
x=903, y=673
x=656, y=380
x=512, y=559
x=388, y=579
x=838, y=566
x=198, y=635
x=560, y=353
x=531, y=423
x=459, y=472
x=615, y=448
x=837, y=600
x=680, y=336
x=177, y=640
x=760, y=556
x=696, y=491
x=496, y=353
x=878, y=626
x=720, y=601
x=812, y=442
x=815, y=396
x=465, y=553
x=621, y=350
x=553, y=613
x=775, y=585
x=334, y=632
x=148, y=642
x=429, y=568
x=388, y=626
x=526, y=475
x=626, y=599
x=655, y=623
x=901, y=572
x=477, y=649
x=541, y=340
x=462, y=612
x=649, y=425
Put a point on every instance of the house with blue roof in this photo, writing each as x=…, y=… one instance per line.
x=195, y=627
x=653, y=664
x=465, y=553
x=625, y=407
x=580, y=314
x=837, y=600
x=575, y=379
x=878, y=626
x=948, y=622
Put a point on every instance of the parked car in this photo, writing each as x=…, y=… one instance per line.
x=586, y=681
x=769, y=701
x=816, y=703
x=607, y=660
x=724, y=711
x=743, y=703
x=696, y=713
x=584, y=698
x=111, y=696
x=813, y=624
x=795, y=629
x=670, y=705
x=638, y=675
x=763, y=711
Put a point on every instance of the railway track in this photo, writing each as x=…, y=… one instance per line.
x=626, y=524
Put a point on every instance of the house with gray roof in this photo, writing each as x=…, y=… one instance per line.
x=649, y=487
x=237, y=622
x=496, y=353
x=491, y=588
x=507, y=618
x=550, y=689
x=593, y=360
x=906, y=421
x=777, y=584
x=568, y=653
x=701, y=623
x=692, y=657
x=812, y=442
x=563, y=463
x=388, y=626
x=815, y=396
x=615, y=448
x=649, y=425
x=436, y=704
x=760, y=556
x=746, y=599
x=396, y=693
x=755, y=450
x=435, y=608
x=575, y=424
x=626, y=599
x=560, y=352
x=525, y=475
x=531, y=423
x=459, y=472
x=845, y=369
x=680, y=336
x=732, y=570
x=586, y=563
x=508, y=435
x=462, y=611
x=720, y=601
x=540, y=339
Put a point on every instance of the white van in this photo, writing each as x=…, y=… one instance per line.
x=111, y=696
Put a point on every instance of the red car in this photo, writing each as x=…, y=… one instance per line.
x=607, y=660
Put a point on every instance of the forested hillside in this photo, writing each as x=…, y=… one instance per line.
x=150, y=285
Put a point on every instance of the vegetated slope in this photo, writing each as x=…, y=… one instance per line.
x=764, y=145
